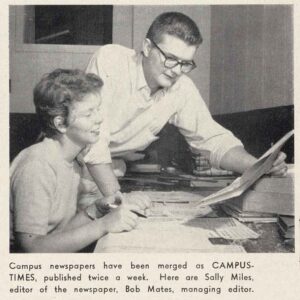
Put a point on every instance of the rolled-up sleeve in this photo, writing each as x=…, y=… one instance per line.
x=201, y=132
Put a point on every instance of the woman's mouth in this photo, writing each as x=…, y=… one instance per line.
x=96, y=131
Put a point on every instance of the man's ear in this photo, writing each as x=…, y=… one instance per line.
x=59, y=123
x=146, y=47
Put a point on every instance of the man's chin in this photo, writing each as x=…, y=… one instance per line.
x=166, y=83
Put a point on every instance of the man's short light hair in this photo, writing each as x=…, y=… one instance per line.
x=175, y=24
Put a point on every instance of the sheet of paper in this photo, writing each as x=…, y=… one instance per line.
x=157, y=237
x=176, y=204
x=227, y=228
x=173, y=196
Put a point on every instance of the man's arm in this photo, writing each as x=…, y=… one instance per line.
x=216, y=143
x=105, y=178
x=238, y=160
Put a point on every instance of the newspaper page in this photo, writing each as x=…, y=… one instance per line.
x=246, y=70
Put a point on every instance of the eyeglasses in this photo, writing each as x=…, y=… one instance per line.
x=170, y=62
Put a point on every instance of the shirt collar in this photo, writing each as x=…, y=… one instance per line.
x=141, y=83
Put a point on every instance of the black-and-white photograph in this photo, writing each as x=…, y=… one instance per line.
x=151, y=129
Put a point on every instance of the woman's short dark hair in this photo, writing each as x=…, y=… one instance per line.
x=176, y=24
x=55, y=92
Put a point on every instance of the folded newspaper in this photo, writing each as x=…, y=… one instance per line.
x=241, y=184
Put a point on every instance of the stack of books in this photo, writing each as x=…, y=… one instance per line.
x=264, y=200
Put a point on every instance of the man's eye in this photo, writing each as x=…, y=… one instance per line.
x=170, y=59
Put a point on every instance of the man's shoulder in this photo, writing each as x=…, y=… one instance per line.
x=184, y=83
x=185, y=80
x=114, y=51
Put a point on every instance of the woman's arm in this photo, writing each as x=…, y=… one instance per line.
x=73, y=239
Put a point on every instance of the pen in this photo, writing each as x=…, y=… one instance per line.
x=134, y=211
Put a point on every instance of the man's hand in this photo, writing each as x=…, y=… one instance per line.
x=279, y=167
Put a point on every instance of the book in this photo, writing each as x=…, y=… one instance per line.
x=246, y=216
x=286, y=227
x=249, y=177
x=266, y=184
x=286, y=222
x=253, y=201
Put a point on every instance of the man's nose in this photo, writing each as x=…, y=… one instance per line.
x=177, y=69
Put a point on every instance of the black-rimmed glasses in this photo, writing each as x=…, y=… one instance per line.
x=170, y=62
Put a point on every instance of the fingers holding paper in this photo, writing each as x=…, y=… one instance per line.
x=279, y=167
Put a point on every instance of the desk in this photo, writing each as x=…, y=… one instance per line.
x=269, y=241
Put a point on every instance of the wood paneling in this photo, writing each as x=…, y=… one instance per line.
x=251, y=57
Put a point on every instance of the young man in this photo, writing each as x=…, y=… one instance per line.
x=44, y=178
x=144, y=91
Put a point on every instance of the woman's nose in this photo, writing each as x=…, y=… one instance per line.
x=99, y=117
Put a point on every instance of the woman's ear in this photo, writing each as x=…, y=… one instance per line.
x=59, y=123
x=146, y=47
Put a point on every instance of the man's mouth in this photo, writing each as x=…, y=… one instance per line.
x=95, y=131
x=170, y=76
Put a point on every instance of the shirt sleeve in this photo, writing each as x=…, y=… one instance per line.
x=99, y=152
x=201, y=132
x=101, y=65
x=32, y=190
